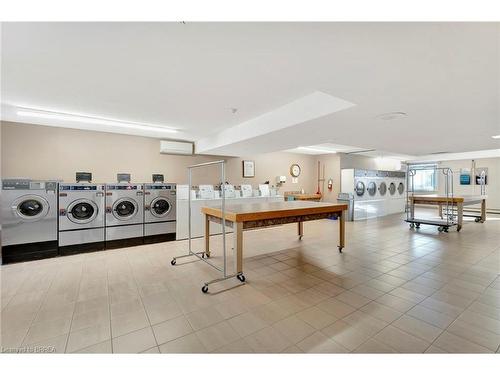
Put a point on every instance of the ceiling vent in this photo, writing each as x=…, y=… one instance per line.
x=176, y=148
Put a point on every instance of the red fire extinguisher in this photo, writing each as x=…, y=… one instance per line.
x=330, y=184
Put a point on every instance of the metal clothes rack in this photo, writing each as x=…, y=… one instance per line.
x=201, y=255
x=451, y=217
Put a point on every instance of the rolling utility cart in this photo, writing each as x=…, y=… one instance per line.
x=446, y=201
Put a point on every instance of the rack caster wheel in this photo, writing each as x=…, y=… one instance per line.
x=340, y=249
x=300, y=237
x=204, y=288
x=412, y=226
x=477, y=220
x=173, y=261
x=241, y=277
x=440, y=229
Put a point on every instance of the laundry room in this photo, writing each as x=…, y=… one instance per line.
x=250, y=187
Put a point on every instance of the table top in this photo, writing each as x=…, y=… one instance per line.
x=273, y=210
x=442, y=198
x=300, y=196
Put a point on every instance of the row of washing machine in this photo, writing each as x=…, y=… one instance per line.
x=43, y=219
x=375, y=193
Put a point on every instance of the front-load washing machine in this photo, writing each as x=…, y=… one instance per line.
x=29, y=220
x=81, y=217
x=159, y=212
x=124, y=214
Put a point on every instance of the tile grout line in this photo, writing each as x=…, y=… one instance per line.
x=74, y=309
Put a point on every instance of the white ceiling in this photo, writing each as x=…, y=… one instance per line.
x=445, y=76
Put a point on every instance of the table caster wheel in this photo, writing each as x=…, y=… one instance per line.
x=207, y=255
x=204, y=288
x=241, y=277
x=173, y=261
x=340, y=249
x=203, y=255
x=300, y=237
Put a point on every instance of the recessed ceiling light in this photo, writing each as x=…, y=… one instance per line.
x=389, y=116
x=495, y=136
x=36, y=113
x=317, y=149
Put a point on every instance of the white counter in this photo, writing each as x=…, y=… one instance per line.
x=197, y=218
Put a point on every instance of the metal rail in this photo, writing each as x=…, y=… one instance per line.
x=451, y=216
x=202, y=254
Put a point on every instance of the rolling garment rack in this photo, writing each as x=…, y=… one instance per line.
x=201, y=255
x=443, y=224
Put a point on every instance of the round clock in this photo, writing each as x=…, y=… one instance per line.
x=295, y=170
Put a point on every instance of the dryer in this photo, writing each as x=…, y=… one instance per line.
x=81, y=217
x=160, y=212
x=124, y=214
x=29, y=220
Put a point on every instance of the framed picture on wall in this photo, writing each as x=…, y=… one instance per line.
x=248, y=168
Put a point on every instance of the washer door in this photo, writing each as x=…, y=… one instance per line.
x=82, y=211
x=30, y=207
x=125, y=208
x=359, y=188
x=160, y=207
x=372, y=188
x=382, y=188
x=401, y=188
x=392, y=188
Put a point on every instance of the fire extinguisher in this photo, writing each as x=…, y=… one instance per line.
x=330, y=184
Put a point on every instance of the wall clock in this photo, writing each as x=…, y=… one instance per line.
x=295, y=170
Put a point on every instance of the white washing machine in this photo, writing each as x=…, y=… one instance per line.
x=375, y=192
x=29, y=220
x=81, y=217
x=124, y=214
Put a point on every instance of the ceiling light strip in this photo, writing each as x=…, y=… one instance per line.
x=90, y=120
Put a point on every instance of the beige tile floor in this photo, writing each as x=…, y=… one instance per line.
x=392, y=290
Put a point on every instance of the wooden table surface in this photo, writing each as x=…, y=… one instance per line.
x=273, y=210
x=443, y=199
x=304, y=197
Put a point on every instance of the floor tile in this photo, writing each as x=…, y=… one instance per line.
x=86, y=337
x=316, y=317
x=134, y=342
x=171, y=329
x=247, y=323
x=294, y=329
x=346, y=335
x=267, y=340
x=455, y=344
x=185, y=344
x=401, y=341
x=320, y=343
x=218, y=335
x=417, y=328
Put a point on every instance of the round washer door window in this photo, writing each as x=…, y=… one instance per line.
x=382, y=188
x=82, y=211
x=160, y=207
x=30, y=207
x=372, y=188
x=124, y=209
x=359, y=188
x=392, y=188
x=401, y=188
